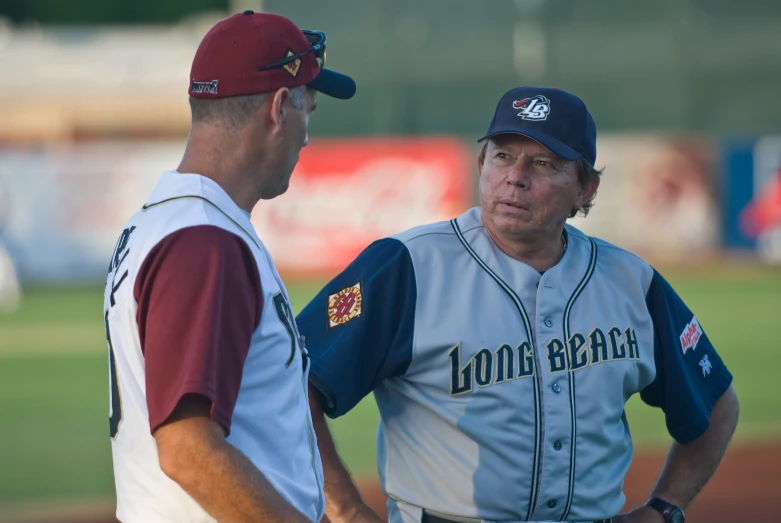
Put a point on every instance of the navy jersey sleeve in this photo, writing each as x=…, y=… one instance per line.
x=690, y=375
x=359, y=328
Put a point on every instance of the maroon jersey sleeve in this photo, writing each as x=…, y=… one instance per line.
x=199, y=301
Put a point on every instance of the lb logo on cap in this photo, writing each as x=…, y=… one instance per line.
x=534, y=108
x=345, y=305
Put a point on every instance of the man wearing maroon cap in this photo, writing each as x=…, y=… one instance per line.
x=209, y=415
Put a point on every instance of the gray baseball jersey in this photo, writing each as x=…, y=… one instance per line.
x=502, y=390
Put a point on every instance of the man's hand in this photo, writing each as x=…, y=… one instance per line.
x=640, y=515
x=690, y=465
x=343, y=502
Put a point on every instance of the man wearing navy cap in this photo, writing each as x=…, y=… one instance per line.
x=501, y=347
x=209, y=415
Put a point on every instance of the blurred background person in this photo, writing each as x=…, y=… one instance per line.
x=761, y=219
x=10, y=291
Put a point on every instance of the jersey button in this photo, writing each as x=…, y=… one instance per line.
x=557, y=445
x=551, y=503
x=556, y=388
x=548, y=322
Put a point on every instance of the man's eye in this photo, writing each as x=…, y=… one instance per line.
x=543, y=163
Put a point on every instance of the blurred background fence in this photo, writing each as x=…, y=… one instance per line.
x=93, y=108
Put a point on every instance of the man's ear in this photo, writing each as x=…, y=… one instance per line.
x=588, y=190
x=481, y=159
x=278, y=107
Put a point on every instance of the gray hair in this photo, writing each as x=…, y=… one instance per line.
x=586, y=172
x=234, y=112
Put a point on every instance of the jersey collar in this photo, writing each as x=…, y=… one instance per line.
x=174, y=184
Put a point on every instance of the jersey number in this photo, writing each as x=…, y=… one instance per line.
x=121, y=252
x=115, y=400
x=285, y=314
x=286, y=317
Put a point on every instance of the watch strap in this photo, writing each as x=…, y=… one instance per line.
x=668, y=510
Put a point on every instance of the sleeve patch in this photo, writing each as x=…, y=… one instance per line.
x=345, y=305
x=360, y=327
x=706, y=365
x=690, y=375
x=691, y=335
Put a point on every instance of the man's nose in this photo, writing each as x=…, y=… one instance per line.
x=518, y=174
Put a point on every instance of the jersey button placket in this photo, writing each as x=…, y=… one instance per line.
x=555, y=403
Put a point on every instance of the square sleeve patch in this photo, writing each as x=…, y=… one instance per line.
x=345, y=305
x=691, y=335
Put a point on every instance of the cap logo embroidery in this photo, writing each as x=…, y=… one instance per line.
x=293, y=66
x=534, y=108
x=204, y=87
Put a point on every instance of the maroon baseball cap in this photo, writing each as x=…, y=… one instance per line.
x=234, y=58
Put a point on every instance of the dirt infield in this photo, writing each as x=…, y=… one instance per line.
x=744, y=490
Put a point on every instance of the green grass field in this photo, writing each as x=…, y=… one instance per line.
x=54, y=390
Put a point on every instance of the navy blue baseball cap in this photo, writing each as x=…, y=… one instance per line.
x=557, y=119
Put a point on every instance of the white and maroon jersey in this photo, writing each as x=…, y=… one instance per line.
x=194, y=305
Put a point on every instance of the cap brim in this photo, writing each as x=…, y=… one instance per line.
x=334, y=84
x=558, y=148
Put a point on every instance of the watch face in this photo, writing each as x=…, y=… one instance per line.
x=677, y=517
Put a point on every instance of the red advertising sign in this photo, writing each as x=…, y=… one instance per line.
x=346, y=193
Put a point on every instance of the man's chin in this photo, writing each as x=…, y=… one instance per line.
x=272, y=192
x=511, y=224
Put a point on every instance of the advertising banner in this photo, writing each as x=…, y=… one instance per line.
x=345, y=194
x=753, y=212
x=657, y=197
x=62, y=207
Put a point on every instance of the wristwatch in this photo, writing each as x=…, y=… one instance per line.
x=671, y=513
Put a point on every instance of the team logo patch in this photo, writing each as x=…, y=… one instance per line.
x=534, y=108
x=706, y=365
x=293, y=66
x=345, y=305
x=204, y=87
x=691, y=335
